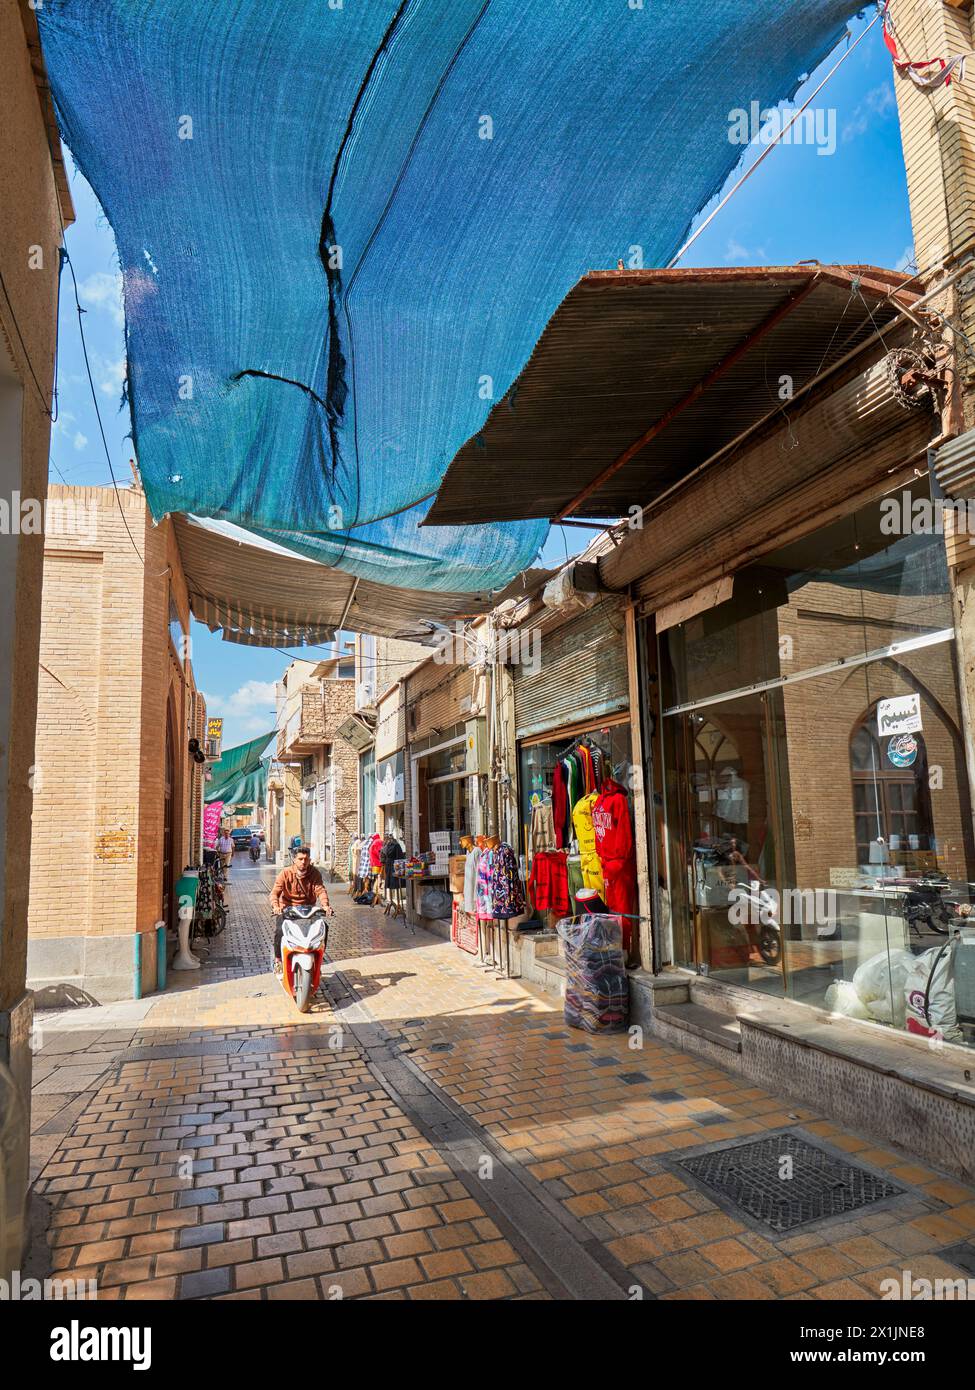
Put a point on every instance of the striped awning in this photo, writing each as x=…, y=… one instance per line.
x=258, y=594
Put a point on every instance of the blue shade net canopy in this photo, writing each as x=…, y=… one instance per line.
x=343, y=229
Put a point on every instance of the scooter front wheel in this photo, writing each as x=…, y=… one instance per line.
x=302, y=980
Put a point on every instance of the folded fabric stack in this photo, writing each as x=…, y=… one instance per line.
x=596, y=988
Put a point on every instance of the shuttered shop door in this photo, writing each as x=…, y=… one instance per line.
x=581, y=674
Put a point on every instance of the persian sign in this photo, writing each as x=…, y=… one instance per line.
x=901, y=715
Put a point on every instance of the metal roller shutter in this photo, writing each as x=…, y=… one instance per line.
x=581, y=675
x=856, y=437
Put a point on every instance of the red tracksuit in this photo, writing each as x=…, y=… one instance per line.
x=614, y=845
x=548, y=886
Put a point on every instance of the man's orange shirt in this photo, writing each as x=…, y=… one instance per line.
x=292, y=889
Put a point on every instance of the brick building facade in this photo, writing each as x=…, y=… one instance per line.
x=314, y=792
x=116, y=803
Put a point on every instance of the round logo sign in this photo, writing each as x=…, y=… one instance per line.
x=902, y=750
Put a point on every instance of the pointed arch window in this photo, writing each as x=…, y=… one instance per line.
x=891, y=801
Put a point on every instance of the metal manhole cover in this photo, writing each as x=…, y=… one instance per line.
x=415, y=1023
x=225, y=962
x=785, y=1182
x=441, y=1047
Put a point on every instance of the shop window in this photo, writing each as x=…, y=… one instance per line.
x=451, y=807
x=891, y=797
x=367, y=792
x=807, y=853
x=537, y=762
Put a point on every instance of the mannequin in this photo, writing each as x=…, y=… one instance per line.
x=184, y=959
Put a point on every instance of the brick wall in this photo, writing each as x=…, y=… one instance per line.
x=339, y=702
x=110, y=679
x=394, y=658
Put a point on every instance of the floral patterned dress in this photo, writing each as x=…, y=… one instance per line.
x=507, y=896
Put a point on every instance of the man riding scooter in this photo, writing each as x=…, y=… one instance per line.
x=298, y=885
x=255, y=847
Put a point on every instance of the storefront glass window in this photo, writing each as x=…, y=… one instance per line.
x=818, y=828
x=367, y=792
x=537, y=765
x=452, y=807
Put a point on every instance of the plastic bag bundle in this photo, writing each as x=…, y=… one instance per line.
x=435, y=904
x=596, y=988
x=880, y=982
x=877, y=990
x=842, y=998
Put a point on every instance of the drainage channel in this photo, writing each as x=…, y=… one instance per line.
x=570, y=1262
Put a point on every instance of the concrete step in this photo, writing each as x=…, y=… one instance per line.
x=718, y=1028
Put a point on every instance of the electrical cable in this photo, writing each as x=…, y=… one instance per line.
x=91, y=383
x=772, y=144
x=98, y=414
x=40, y=391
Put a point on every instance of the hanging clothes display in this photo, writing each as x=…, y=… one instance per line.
x=483, y=900
x=470, y=880
x=584, y=753
x=390, y=851
x=573, y=868
x=560, y=804
x=592, y=872
x=375, y=853
x=542, y=834
x=548, y=884
x=507, y=895
x=617, y=853
x=576, y=780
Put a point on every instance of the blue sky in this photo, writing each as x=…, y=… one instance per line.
x=847, y=206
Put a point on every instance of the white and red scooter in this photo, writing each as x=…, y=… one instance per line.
x=304, y=937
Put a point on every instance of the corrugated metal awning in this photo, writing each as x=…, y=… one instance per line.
x=640, y=376
x=262, y=595
x=954, y=466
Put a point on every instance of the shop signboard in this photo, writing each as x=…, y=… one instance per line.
x=211, y=823
x=214, y=738
x=901, y=715
x=389, y=780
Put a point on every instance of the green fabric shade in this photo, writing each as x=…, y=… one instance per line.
x=239, y=774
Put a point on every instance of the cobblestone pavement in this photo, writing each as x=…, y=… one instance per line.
x=427, y=1131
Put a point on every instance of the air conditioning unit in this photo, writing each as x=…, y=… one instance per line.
x=365, y=694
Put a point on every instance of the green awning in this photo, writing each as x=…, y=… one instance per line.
x=249, y=790
x=232, y=772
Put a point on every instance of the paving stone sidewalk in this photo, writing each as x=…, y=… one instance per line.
x=427, y=1131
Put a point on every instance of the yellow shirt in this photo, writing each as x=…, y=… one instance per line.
x=592, y=870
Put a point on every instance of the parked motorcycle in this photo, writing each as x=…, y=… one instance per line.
x=303, y=942
x=764, y=931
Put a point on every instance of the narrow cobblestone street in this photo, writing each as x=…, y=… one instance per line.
x=426, y=1132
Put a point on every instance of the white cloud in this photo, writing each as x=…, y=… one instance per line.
x=104, y=291
x=878, y=104
x=114, y=375
x=80, y=440
x=736, y=254
x=256, y=724
x=245, y=702
x=907, y=261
